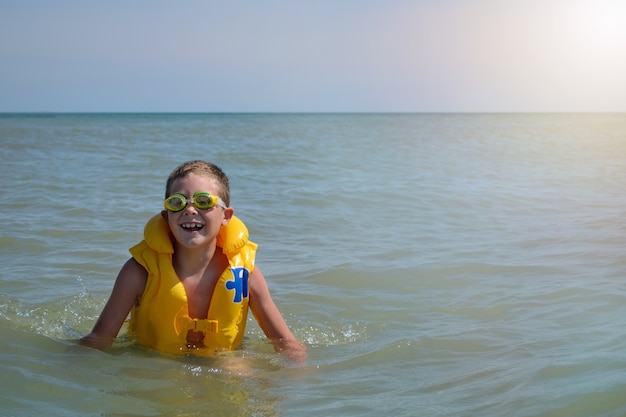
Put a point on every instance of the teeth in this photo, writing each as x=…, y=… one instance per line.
x=191, y=226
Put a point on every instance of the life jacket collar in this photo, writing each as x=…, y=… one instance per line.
x=231, y=237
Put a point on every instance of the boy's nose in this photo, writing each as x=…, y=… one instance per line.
x=190, y=208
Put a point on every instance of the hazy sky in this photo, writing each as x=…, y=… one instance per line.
x=317, y=55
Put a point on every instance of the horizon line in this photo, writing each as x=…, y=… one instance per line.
x=318, y=112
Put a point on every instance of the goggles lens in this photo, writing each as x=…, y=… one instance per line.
x=201, y=200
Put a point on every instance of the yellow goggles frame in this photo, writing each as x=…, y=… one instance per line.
x=201, y=200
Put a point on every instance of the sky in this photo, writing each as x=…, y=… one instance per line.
x=313, y=56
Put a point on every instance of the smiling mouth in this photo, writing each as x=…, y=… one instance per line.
x=192, y=227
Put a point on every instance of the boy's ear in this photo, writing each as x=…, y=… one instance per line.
x=164, y=214
x=228, y=214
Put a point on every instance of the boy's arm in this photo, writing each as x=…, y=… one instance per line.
x=271, y=321
x=129, y=286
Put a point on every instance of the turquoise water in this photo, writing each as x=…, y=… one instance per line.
x=435, y=264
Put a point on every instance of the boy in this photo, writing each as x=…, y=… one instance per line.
x=190, y=282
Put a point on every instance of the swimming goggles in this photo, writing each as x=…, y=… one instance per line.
x=201, y=200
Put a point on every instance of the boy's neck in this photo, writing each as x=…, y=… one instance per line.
x=189, y=262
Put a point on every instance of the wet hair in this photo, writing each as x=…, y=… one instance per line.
x=205, y=169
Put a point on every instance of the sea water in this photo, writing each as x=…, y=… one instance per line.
x=434, y=264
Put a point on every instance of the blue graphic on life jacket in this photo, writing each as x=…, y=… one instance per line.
x=239, y=283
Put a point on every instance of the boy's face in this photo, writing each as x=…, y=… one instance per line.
x=192, y=227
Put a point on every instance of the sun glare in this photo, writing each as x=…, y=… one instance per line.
x=605, y=22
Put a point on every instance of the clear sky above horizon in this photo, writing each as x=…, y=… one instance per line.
x=313, y=56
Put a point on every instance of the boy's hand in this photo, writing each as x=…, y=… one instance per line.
x=294, y=350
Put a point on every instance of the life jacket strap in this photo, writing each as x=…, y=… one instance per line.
x=184, y=324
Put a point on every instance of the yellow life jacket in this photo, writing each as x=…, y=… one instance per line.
x=161, y=319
